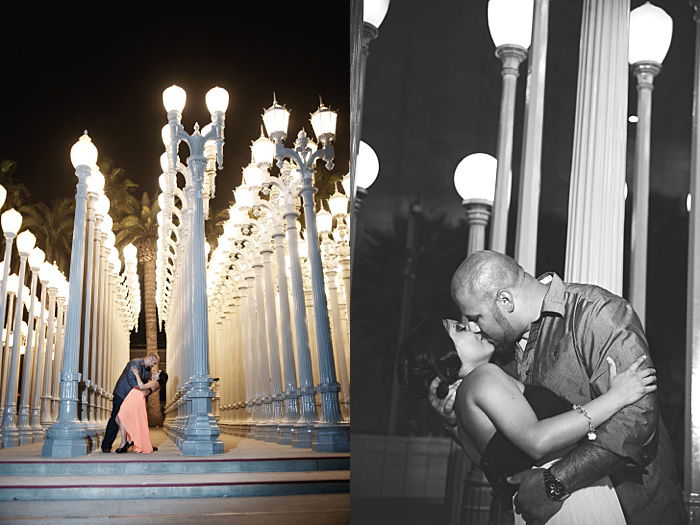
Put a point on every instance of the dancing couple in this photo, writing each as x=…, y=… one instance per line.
x=138, y=380
x=568, y=425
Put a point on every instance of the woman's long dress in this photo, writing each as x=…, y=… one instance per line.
x=132, y=415
x=597, y=504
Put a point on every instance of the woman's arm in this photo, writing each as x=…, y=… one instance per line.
x=141, y=385
x=499, y=397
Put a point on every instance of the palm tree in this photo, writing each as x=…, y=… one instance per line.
x=17, y=192
x=140, y=227
x=53, y=227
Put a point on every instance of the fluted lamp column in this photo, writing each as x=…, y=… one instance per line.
x=510, y=24
x=475, y=180
x=650, y=37
x=10, y=432
x=67, y=437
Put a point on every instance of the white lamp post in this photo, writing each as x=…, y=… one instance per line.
x=330, y=434
x=475, y=180
x=11, y=222
x=510, y=24
x=200, y=435
x=30, y=374
x=10, y=432
x=650, y=37
x=67, y=437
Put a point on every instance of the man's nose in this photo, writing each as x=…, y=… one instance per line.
x=473, y=327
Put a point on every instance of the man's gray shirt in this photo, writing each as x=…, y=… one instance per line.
x=127, y=380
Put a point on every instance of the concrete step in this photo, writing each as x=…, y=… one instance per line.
x=132, y=464
x=319, y=509
x=142, y=486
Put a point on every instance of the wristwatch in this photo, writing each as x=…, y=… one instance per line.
x=555, y=489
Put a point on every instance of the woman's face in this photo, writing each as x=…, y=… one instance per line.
x=473, y=348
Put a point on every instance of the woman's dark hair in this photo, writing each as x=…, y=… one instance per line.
x=427, y=352
x=162, y=379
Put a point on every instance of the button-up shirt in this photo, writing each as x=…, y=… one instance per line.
x=579, y=327
x=127, y=380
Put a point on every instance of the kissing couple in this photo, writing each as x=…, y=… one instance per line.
x=568, y=426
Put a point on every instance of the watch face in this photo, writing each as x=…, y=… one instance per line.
x=555, y=489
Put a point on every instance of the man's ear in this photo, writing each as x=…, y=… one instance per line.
x=504, y=298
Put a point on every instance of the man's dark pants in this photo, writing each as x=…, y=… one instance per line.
x=112, y=427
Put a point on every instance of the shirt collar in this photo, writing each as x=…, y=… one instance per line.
x=554, y=300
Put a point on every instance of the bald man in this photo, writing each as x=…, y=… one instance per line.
x=570, y=330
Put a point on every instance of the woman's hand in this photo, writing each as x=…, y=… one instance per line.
x=632, y=384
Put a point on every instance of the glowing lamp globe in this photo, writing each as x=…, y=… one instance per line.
x=276, y=120
x=46, y=272
x=25, y=243
x=651, y=30
x=165, y=134
x=217, y=100
x=130, y=252
x=107, y=224
x=252, y=176
x=36, y=259
x=244, y=197
x=164, y=162
x=475, y=177
x=374, y=11
x=238, y=216
x=13, y=283
x=11, y=221
x=263, y=150
x=174, y=99
x=367, y=166
x=324, y=120
x=83, y=152
x=338, y=203
x=510, y=22
x=95, y=182
x=102, y=205
x=3, y=195
x=689, y=203
x=324, y=221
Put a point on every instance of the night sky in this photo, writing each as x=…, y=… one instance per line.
x=107, y=75
x=432, y=97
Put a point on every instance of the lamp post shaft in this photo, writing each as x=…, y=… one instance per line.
x=511, y=56
x=10, y=432
x=478, y=213
x=26, y=435
x=691, y=483
x=52, y=320
x=66, y=437
x=87, y=347
x=645, y=73
x=272, y=339
x=37, y=430
x=531, y=159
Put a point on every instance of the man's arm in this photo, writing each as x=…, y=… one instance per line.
x=130, y=377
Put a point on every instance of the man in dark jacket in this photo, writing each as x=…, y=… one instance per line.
x=125, y=383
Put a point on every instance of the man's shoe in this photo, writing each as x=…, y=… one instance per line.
x=106, y=450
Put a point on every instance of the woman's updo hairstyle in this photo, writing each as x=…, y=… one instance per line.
x=427, y=352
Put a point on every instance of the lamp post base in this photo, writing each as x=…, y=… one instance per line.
x=66, y=440
x=331, y=437
x=302, y=435
x=284, y=434
x=201, y=433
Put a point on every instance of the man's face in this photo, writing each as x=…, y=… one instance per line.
x=486, y=317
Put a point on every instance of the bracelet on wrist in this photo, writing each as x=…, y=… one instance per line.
x=591, y=435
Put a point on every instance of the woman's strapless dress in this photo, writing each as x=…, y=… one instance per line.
x=132, y=415
x=596, y=504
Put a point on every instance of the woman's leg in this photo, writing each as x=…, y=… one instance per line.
x=122, y=430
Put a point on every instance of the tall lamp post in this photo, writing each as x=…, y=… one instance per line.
x=10, y=432
x=475, y=180
x=67, y=437
x=510, y=24
x=330, y=434
x=650, y=37
x=200, y=436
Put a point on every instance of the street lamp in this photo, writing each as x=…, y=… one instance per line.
x=67, y=436
x=10, y=432
x=330, y=434
x=26, y=433
x=475, y=180
x=510, y=24
x=200, y=434
x=649, y=39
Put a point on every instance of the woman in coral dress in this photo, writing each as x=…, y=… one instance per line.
x=132, y=418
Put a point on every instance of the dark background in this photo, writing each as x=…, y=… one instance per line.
x=433, y=88
x=106, y=74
